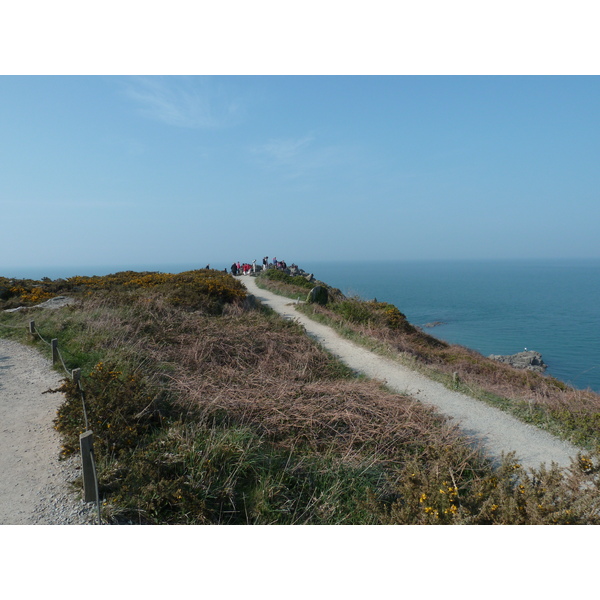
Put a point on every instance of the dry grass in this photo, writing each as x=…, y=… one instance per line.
x=266, y=374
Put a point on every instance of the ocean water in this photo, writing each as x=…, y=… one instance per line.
x=494, y=307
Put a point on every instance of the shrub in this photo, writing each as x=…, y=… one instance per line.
x=121, y=410
x=283, y=277
x=372, y=314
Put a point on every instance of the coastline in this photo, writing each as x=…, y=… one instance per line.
x=492, y=307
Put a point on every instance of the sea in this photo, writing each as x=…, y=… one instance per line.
x=493, y=307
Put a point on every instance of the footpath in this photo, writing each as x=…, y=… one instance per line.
x=34, y=484
x=494, y=431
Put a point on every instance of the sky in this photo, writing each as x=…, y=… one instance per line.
x=156, y=137
x=183, y=169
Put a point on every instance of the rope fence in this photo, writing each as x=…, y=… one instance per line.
x=90, y=478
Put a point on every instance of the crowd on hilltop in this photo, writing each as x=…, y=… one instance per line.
x=239, y=268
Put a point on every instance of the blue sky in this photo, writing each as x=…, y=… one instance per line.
x=155, y=170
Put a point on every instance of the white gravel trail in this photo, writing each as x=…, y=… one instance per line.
x=34, y=484
x=496, y=431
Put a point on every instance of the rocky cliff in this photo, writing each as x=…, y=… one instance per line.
x=529, y=359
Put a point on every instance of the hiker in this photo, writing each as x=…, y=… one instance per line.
x=234, y=269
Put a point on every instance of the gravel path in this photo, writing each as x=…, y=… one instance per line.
x=34, y=485
x=495, y=430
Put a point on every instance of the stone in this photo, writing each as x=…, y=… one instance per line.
x=528, y=360
x=318, y=295
x=434, y=324
x=57, y=302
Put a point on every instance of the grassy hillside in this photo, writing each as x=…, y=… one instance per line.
x=207, y=408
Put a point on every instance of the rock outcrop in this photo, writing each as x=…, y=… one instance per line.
x=435, y=324
x=53, y=303
x=318, y=295
x=529, y=360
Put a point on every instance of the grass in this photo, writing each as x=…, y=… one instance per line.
x=209, y=410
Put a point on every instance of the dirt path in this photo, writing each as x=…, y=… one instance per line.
x=34, y=484
x=497, y=431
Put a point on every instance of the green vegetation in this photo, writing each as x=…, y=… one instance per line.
x=208, y=409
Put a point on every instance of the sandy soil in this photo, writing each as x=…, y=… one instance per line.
x=496, y=431
x=34, y=485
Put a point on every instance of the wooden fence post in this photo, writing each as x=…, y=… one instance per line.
x=76, y=376
x=86, y=443
x=32, y=327
x=455, y=380
x=54, y=351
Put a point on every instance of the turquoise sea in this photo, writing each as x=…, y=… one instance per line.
x=494, y=307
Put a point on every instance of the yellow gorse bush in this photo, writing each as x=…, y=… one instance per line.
x=216, y=284
x=35, y=296
x=202, y=288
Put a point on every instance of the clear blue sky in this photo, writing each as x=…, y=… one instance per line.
x=121, y=170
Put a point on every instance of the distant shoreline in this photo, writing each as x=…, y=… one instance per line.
x=65, y=271
x=451, y=292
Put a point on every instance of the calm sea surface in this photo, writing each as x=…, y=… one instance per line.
x=494, y=307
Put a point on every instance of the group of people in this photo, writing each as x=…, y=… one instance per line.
x=243, y=269
x=246, y=268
